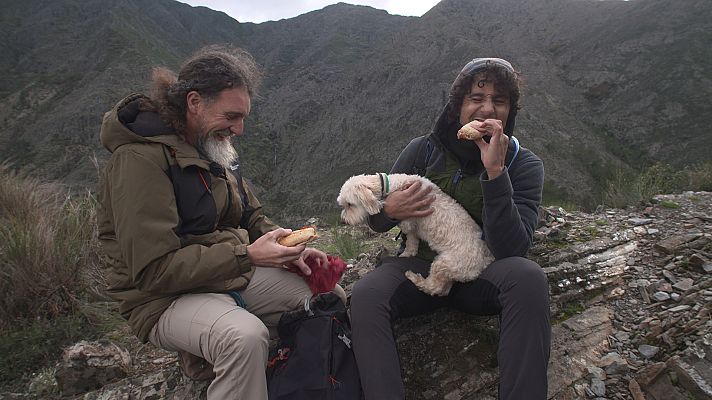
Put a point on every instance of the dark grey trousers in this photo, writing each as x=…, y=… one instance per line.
x=514, y=288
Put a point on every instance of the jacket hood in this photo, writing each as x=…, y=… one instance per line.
x=127, y=123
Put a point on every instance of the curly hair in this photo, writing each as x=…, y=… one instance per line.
x=504, y=80
x=209, y=71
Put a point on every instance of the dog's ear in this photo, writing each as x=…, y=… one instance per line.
x=368, y=199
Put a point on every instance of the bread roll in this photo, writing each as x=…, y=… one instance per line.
x=469, y=132
x=298, y=237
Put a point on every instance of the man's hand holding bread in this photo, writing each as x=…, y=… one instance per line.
x=300, y=236
x=268, y=250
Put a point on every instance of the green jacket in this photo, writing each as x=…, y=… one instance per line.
x=168, y=222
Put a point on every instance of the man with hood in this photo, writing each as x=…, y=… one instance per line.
x=500, y=184
x=195, y=263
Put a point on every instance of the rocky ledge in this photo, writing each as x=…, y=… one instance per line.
x=631, y=303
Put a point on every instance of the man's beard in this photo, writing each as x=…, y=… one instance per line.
x=220, y=151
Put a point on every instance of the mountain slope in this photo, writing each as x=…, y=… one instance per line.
x=609, y=84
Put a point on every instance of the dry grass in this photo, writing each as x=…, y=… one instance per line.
x=701, y=177
x=48, y=247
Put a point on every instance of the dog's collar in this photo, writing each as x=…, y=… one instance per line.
x=384, y=184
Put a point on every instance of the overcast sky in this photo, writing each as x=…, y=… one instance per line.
x=272, y=10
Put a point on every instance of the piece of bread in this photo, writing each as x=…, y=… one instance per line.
x=298, y=237
x=469, y=132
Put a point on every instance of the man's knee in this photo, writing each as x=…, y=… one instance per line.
x=386, y=291
x=248, y=336
x=358, y=294
x=364, y=296
x=527, y=270
x=529, y=280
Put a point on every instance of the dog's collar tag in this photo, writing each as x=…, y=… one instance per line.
x=384, y=184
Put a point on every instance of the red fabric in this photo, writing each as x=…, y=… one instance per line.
x=323, y=278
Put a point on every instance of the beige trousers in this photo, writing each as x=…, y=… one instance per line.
x=232, y=339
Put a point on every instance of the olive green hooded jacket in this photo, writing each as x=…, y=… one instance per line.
x=170, y=222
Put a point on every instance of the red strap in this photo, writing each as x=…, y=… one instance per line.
x=282, y=354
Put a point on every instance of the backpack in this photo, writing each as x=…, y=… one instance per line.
x=313, y=359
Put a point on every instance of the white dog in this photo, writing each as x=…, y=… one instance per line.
x=449, y=230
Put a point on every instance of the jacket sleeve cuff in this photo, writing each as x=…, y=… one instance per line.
x=381, y=223
x=244, y=264
x=500, y=186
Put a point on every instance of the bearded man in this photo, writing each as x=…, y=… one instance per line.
x=195, y=262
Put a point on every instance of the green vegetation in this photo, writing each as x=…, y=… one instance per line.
x=659, y=179
x=625, y=189
x=555, y=196
x=29, y=346
x=348, y=242
x=669, y=204
x=48, y=262
x=347, y=245
x=630, y=155
x=344, y=243
x=591, y=231
x=568, y=310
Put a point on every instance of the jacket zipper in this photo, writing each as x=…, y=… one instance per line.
x=457, y=178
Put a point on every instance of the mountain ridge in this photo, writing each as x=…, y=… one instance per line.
x=606, y=85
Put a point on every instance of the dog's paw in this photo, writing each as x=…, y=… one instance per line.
x=430, y=289
x=417, y=279
x=408, y=253
x=429, y=285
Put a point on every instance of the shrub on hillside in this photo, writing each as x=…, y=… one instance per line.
x=625, y=189
x=620, y=191
x=701, y=177
x=660, y=179
x=47, y=246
